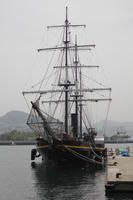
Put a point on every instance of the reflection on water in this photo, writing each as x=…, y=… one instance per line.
x=68, y=183
x=120, y=196
x=18, y=180
x=59, y=183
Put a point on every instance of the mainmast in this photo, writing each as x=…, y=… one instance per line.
x=76, y=80
x=66, y=70
x=80, y=105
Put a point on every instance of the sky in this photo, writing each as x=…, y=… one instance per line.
x=110, y=25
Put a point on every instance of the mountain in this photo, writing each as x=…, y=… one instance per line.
x=17, y=120
x=114, y=126
x=14, y=120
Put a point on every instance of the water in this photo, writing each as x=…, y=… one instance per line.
x=20, y=180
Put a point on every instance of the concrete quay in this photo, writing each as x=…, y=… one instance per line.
x=119, y=172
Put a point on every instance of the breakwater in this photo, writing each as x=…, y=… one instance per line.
x=17, y=142
x=11, y=142
x=118, y=141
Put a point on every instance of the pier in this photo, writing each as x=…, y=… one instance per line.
x=120, y=172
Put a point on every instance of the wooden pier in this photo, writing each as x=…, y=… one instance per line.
x=119, y=172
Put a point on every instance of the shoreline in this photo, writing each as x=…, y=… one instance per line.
x=11, y=142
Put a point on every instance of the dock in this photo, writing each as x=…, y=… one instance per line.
x=119, y=172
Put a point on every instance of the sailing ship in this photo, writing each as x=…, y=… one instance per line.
x=59, y=113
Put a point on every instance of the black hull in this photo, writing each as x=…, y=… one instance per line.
x=71, y=153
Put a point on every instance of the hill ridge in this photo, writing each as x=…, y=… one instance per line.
x=16, y=120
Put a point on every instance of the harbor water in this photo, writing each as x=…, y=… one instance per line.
x=23, y=180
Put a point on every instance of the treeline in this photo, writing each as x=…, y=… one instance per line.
x=18, y=136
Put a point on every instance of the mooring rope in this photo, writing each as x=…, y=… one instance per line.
x=84, y=157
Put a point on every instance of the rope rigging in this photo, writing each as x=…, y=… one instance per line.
x=68, y=87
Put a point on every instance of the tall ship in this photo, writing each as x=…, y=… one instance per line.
x=60, y=105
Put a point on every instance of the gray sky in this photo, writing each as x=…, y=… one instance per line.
x=110, y=24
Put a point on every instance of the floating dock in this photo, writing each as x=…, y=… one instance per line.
x=120, y=171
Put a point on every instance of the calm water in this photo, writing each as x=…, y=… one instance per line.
x=20, y=181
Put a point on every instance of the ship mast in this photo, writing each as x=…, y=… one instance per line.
x=66, y=85
x=76, y=82
x=80, y=104
x=66, y=71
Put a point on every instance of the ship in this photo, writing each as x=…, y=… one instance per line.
x=59, y=112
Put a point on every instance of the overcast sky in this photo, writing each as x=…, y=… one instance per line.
x=110, y=24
